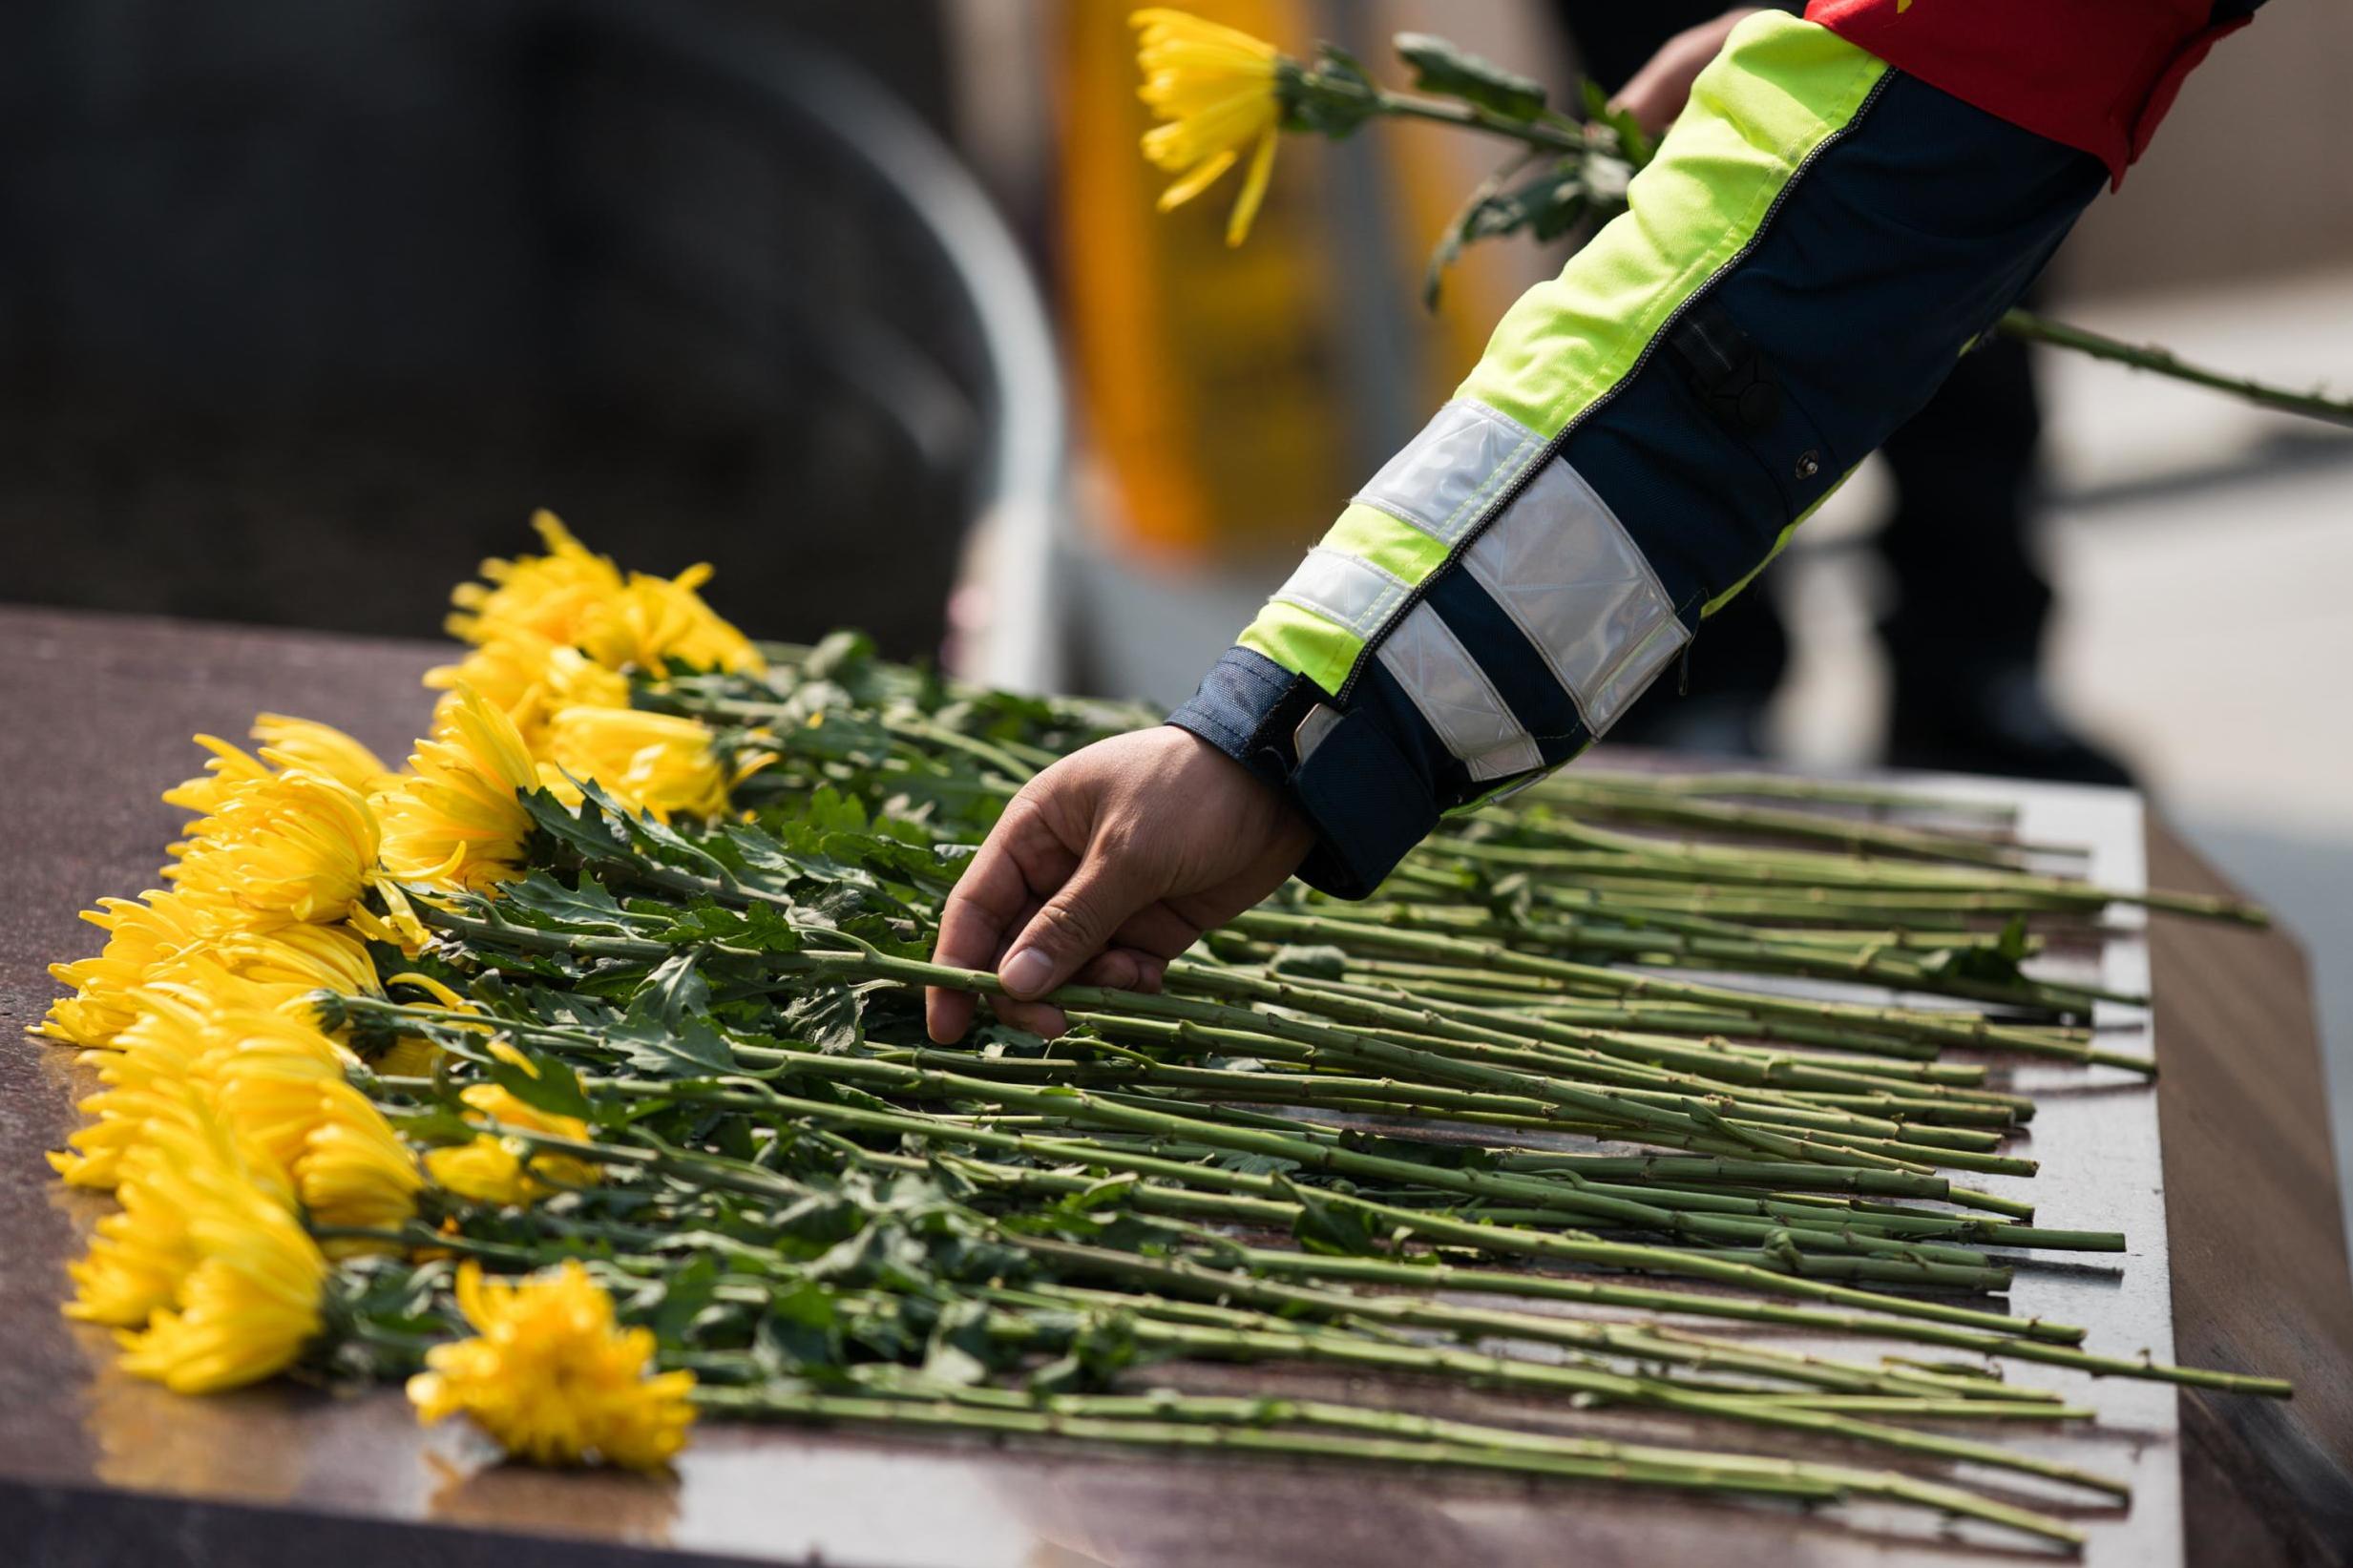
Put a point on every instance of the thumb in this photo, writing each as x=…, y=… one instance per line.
x=1075, y=925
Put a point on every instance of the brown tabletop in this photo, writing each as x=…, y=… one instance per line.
x=96, y=1469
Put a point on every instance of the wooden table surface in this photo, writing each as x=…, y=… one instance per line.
x=96, y=1468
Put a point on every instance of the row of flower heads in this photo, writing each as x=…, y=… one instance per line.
x=239, y=1151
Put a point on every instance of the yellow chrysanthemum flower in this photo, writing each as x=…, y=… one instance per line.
x=228, y=768
x=269, y=970
x=147, y=1080
x=529, y=676
x=572, y=597
x=411, y=1056
x=289, y=847
x=552, y=1377
x=141, y=935
x=287, y=745
x=141, y=1253
x=548, y=595
x=247, y=1300
x=355, y=1172
x=491, y=1168
x=282, y=1084
x=1216, y=91
x=654, y=763
x=171, y=941
x=276, y=1083
x=656, y=619
x=457, y=824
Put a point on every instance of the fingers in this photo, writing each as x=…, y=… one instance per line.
x=1041, y=1018
x=994, y=898
x=1076, y=922
x=1663, y=86
x=1656, y=95
x=1125, y=968
x=1116, y=968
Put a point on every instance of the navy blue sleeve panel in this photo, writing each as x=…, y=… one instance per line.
x=1901, y=243
x=1897, y=244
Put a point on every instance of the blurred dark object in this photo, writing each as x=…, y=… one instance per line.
x=304, y=308
x=1964, y=635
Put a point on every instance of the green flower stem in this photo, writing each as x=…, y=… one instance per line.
x=2029, y=327
x=1611, y=1387
x=1557, y=787
x=1444, y=1276
x=1755, y=1105
x=1538, y=999
x=1246, y=1199
x=1346, y=1050
x=1571, y=1249
x=1656, y=942
x=1411, y=982
x=1256, y=1426
x=1915, y=1264
x=1178, y=1277
x=1626, y=856
x=1895, y=1023
x=1418, y=885
x=1543, y=135
x=1814, y=1229
x=1392, y=1097
x=1611, y=799
x=1715, y=1071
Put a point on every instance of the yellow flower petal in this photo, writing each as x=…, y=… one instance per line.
x=552, y=1375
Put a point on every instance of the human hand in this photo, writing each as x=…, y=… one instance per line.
x=1107, y=865
x=1661, y=88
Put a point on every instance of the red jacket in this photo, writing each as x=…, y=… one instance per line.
x=2093, y=74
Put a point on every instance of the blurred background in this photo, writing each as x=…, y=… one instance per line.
x=304, y=308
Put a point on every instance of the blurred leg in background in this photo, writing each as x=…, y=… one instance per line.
x=1964, y=635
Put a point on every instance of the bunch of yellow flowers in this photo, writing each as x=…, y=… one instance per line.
x=228, y=1129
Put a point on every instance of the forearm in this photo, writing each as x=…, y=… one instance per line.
x=1818, y=239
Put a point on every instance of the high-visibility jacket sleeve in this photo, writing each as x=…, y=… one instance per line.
x=1817, y=240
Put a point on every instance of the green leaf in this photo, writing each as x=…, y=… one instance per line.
x=959, y=1351
x=757, y=928
x=1310, y=963
x=543, y=900
x=1994, y=965
x=1635, y=144
x=1326, y=1226
x=829, y=1017
x=686, y=1046
x=841, y=655
x=800, y=1331
x=545, y=1084
x=1441, y=67
x=676, y=990
x=684, y=1297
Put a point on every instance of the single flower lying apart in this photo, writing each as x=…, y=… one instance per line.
x=552, y=1377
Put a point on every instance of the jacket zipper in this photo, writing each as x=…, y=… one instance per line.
x=1552, y=448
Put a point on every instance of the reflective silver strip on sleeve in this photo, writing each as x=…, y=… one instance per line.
x=1456, y=698
x=1341, y=588
x=1564, y=570
x=1442, y=480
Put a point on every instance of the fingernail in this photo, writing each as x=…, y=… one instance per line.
x=1026, y=974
